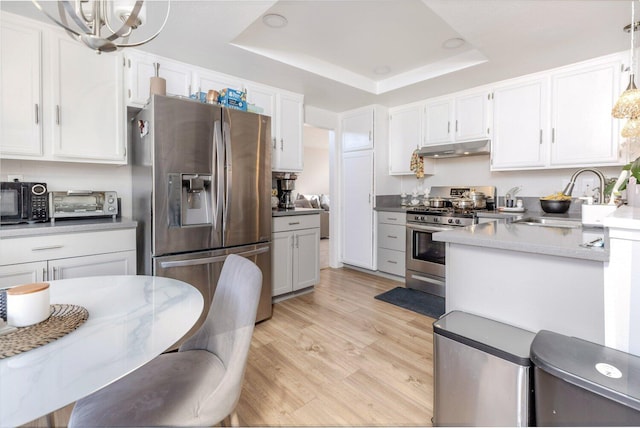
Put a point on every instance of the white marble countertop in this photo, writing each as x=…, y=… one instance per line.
x=624, y=218
x=553, y=241
x=132, y=319
x=65, y=226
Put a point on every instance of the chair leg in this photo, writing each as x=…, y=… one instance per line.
x=231, y=420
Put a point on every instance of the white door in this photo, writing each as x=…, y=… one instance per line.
x=357, y=130
x=306, y=258
x=357, y=215
x=20, y=86
x=438, y=118
x=282, y=263
x=405, y=135
x=519, y=123
x=583, y=131
x=120, y=263
x=88, y=115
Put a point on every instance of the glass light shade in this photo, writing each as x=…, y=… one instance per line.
x=628, y=105
x=631, y=129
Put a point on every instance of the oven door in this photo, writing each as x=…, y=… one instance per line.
x=425, y=259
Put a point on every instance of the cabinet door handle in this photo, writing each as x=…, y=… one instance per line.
x=456, y=125
x=57, y=115
x=275, y=143
x=45, y=277
x=448, y=127
x=553, y=135
x=392, y=262
x=370, y=136
x=297, y=241
x=293, y=223
x=392, y=218
x=37, y=114
x=50, y=247
x=392, y=237
x=55, y=273
x=541, y=136
x=281, y=144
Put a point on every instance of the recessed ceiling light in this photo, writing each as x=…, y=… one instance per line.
x=273, y=20
x=382, y=69
x=453, y=43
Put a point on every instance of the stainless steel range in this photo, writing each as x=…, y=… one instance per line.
x=426, y=258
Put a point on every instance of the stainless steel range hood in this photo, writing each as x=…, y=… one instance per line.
x=469, y=148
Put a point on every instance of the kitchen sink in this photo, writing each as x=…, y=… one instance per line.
x=549, y=222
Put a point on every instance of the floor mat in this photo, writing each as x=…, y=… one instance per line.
x=414, y=300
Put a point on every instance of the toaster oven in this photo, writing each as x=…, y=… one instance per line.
x=82, y=203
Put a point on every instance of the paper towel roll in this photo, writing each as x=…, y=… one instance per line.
x=158, y=86
x=28, y=304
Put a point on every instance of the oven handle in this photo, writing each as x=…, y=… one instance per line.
x=425, y=228
x=426, y=279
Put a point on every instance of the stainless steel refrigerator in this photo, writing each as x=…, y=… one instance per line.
x=201, y=191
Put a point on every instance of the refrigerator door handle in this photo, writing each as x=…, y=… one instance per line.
x=208, y=260
x=218, y=165
x=226, y=138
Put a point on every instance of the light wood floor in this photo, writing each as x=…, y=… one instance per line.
x=337, y=357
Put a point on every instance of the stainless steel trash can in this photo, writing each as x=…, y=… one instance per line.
x=482, y=372
x=580, y=383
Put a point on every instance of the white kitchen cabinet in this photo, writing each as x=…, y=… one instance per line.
x=140, y=70
x=520, y=118
x=204, y=80
x=392, y=242
x=406, y=135
x=21, y=88
x=558, y=119
x=358, y=130
x=583, y=131
x=295, y=253
x=60, y=101
x=358, y=227
x=464, y=117
x=287, y=121
x=67, y=255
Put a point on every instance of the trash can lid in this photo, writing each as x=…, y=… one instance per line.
x=502, y=340
x=604, y=371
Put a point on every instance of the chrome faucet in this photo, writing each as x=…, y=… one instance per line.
x=567, y=190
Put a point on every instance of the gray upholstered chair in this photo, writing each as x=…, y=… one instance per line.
x=200, y=384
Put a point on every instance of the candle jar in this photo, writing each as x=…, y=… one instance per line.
x=28, y=304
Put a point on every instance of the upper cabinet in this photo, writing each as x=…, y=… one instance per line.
x=461, y=118
x=60, y=101
x=358, y=130
x=582, y=128
x=287, y=119
x=520, y=115
x=406, y=135
x=558, y=119
x=140, y=68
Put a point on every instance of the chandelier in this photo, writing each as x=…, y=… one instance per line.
x=103, y=25
x=628, y=105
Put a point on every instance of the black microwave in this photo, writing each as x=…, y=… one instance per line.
x=22, y=202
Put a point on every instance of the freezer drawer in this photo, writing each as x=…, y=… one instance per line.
x=482, y=372
x=202, y=270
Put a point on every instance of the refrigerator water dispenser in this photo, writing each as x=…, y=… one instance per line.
x=190, y=200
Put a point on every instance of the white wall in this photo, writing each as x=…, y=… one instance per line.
x=315, y=177
x=62, y=176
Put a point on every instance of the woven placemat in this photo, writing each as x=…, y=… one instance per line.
x=63, y=320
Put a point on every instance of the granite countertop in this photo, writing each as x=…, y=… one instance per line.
x=554, y=241
x=65, y=226
x=297, y=211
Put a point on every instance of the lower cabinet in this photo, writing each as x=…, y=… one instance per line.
x=62, y=256
x=391, y=242
x=295, y=253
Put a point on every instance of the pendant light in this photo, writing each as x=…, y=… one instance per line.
x=628, y=105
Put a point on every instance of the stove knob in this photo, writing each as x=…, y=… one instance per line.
x=436, y=219
x=450, y=220
x=458, y=221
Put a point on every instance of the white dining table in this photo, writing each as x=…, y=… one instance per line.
x=132, y=319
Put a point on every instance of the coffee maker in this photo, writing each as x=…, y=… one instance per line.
x=286, y=184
